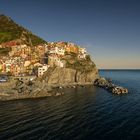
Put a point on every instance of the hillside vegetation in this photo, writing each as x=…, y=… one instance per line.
x=9, y=31
x=83, y=65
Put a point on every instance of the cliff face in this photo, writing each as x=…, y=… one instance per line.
x=60, y=75
x=75, y=71
x=68, y=76
x=84, y=77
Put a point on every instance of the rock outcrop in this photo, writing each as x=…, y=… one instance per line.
x=84, y=77
x=76, y=70
x=59, y=75
x=108, y=85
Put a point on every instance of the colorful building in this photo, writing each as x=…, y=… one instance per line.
x=71, y=48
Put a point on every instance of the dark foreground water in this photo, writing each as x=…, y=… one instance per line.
x=81, y=114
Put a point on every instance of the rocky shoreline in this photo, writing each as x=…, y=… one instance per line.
x=109, y=86
x=35, y=89
x=38, y=89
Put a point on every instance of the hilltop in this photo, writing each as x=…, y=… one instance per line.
x=11, y=31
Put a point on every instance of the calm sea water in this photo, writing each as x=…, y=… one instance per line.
x=81, y=114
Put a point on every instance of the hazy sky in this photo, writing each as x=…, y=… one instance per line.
x=109, y=29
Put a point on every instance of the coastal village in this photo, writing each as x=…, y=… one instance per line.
x=25, y=60
x=36, y=68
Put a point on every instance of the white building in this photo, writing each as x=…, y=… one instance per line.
x=42, y=69
x=82, y=53
x=57, y=50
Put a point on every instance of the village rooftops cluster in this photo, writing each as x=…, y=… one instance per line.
x=29, y=60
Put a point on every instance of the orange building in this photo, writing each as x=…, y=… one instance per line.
x=71, y=48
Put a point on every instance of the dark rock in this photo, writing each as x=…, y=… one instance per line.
x=102, y=82
x=68, y=76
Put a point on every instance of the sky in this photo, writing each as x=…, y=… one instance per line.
x=108, y=29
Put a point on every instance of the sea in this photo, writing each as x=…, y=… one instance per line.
x=83, y=113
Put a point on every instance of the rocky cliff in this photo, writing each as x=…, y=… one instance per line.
x=59, y=75
x=82, y=71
